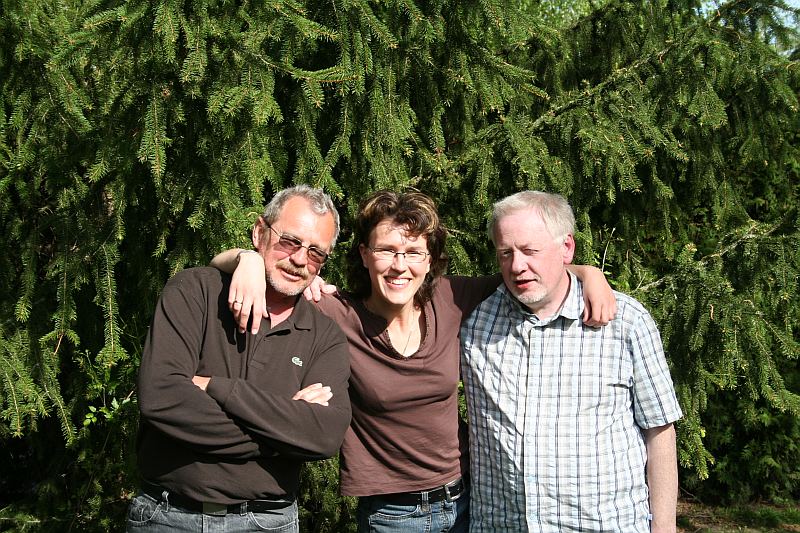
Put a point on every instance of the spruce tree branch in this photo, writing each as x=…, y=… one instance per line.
x=17, y=418
x=55, y=398
x=625, y=73
x=619, y=75
x=749, y=234
x=298, y=73
x=87, y=486
x=109, y=280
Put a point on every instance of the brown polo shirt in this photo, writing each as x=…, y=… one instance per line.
x=244, y=437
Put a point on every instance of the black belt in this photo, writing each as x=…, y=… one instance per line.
x=450, y=492
x=254, y=506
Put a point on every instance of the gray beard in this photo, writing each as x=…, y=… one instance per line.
x=528, y=299
x=287, y=288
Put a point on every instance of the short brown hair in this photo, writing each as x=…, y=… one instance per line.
x=412, y=210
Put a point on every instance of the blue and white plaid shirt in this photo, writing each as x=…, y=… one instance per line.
x=556, y=410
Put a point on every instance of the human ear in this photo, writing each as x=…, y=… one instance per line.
x=258, y=232
x=568, y=249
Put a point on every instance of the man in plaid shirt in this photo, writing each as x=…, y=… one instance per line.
x=571, y=427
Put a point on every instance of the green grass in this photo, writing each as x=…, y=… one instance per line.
x=698, y=518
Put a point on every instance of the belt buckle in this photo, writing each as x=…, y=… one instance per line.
x=216, y=509
x=447, y=496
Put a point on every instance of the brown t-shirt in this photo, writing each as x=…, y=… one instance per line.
x=244, y=438
x=404, y=435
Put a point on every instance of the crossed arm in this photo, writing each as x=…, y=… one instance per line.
x=314, y=393
x=233, y=417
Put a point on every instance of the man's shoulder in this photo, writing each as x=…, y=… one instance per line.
x=336, y=305
x=313, y=311
x=197, y=277
x=319, y=321
x=629, y=306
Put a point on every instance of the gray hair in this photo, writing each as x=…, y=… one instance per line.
x=320, y=202
x=554, y=209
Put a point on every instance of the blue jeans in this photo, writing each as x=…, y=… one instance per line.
x=377, y=515
x=147, y=515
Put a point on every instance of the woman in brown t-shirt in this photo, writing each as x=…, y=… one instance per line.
x=405, y=453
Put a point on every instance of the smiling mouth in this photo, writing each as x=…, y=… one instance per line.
x=397, y=282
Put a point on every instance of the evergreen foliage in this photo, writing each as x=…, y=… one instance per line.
x=139, y=137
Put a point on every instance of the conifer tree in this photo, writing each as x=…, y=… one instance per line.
x=140, y=137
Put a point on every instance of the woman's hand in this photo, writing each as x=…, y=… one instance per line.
x=318, y=287
x=247, y=295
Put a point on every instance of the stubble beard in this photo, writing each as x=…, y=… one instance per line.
x=286, y=287
x=529, y=298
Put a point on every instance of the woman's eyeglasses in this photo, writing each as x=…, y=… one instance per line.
x=387, y=254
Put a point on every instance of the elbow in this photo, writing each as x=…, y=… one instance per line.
x=332, y=439
x=330, y=446
x=316, y=450
x=331, y=434
x=154, y=406
x=150, y=410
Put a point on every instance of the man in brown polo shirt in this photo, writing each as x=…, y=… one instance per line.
x=228, y=418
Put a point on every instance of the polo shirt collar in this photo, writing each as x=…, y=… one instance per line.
x=301, y=317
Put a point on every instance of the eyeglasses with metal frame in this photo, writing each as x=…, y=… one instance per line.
x=387, y=254
x=291, y=244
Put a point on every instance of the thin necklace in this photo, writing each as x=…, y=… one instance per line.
x=414, y=321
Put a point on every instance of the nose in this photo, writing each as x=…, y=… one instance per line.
x=300, y=256
x=518, y=263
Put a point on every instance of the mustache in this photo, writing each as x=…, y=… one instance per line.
x=293, y=270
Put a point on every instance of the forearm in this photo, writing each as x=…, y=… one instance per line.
x=179, y=409
x=293, y=427
x=662, y=477
x=290, y=427
x=246, y=295
x=168, y=399
x=584, y=272
x=226, y=261
x=173, y=404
